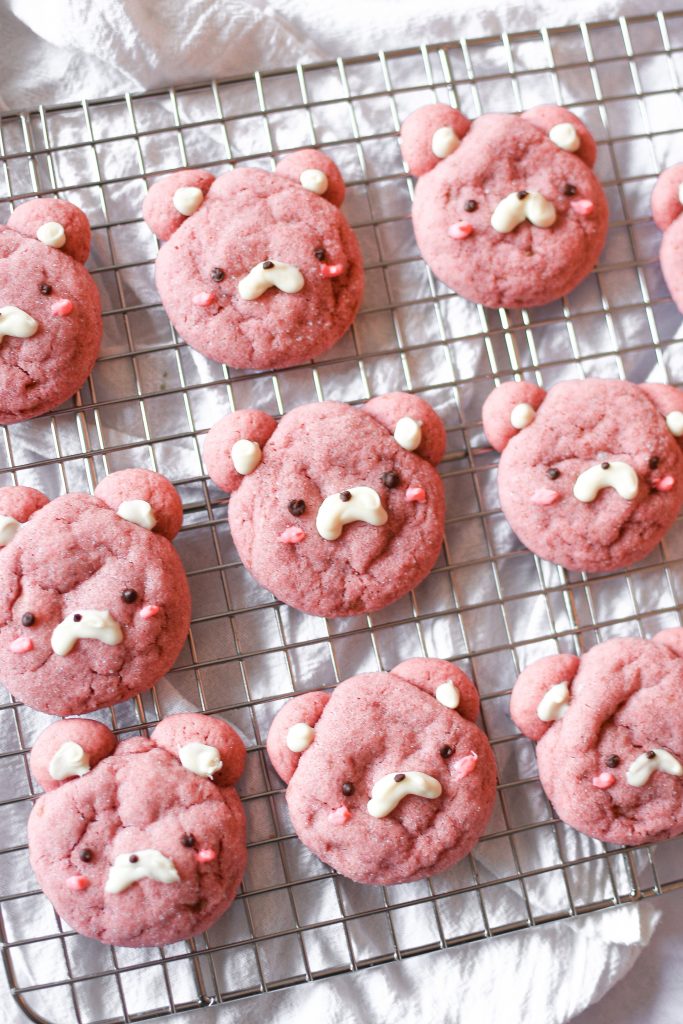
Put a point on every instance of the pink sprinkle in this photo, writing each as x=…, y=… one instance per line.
x=77, y=882
x=292, y=535
x=584, y=207
x=604, y=780
x=544, y=496
x=149, y=611
x=665, y=484
x=205, y=856
x=203, y=298
x=331, y=269
x=461, y=229
x=340, y=815
x=62, y=307
x=21, y=645
x=464, y=765
x=416, y=494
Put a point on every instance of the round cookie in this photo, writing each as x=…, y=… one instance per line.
x=337, y=510
x=261, y=270
x=667, y=206
x=591, y=473
x=609, y=733
x=141, y=843
x=507, y=211
x=50, y=317
x=94, y=601
x=388, y=778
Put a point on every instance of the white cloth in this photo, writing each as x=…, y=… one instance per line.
x=53, y=50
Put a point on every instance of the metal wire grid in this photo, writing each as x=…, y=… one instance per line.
x=488, y=604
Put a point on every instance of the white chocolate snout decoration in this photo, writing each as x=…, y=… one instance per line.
x=137, y=511
x=655, y=760
x=15, y=323
x=136, y=865
x=619, y=475
x=8, y=528
x=200, y=759
x=356, y=505
x=271, y=274
x=85, y=624
x=388, y=791
x=554, y=703
x=520, y=206
x=69, y=761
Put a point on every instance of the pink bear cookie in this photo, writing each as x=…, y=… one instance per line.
x=140, y=843
x=94, y=601
x=609, y=733
x=50, y=319
x=336, y=510
x=261, y=270
x=667, y=206
x=591, y=473
x=388, y=778
x=507, y=211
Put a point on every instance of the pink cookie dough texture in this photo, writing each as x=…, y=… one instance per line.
x=312, y=460
x=386, y=724
x=667, y=206
x=137, y=796
x=77, y=556
x=621, y=439
x=507, y=211
x=50, y=317
x=621, y=702
x=247, y=219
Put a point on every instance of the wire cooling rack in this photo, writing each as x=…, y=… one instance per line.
x=488, y=604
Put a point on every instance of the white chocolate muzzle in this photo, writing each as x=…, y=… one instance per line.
x=388, y=791
x=363, y=505
x=147, y=864
x=619, y=475
x=517, y=207
x=87, y=624
x=15, y=323
x=655, y=760
x=260, y=278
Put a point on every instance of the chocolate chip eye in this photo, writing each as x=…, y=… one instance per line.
x=347, y=788
x=654, y=462
x=188, y=839
x=297, y=507
x=446, y=751
x=133, y=858
x=471, y=205
x=27, y=619
x=570, y=190
x=522, y=194
x=77, y=617
x=612, y=761
x=267, y=264
x=46, y=289
x=129, y=596
x=399, y=777
x=391, y=479
x=85, y=854
x=345, y=495
x=319, y=254
x=553, y=473
x=217, y=274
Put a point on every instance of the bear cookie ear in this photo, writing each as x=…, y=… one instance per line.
x=171, y=200
x=447, y=683
x=542, y=693
x=431, y=134
x=315, y=172
x=565, y=129
x=292, y=731
x=508, y=409
x=145, y=498
x=17, y=505
x=206, y=746
x=56, y=223
x=233, y=447
x=68, y=749
x=412, y=421
x=667, y=197
x=669, y=401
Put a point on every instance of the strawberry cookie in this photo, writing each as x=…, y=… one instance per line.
x=508, y=211
x=591, y=473
x=337, y=510
x=609, y=736
x=667, y=206
x=140, y=843
x=94, y=601
x=50, y=318
x=260, y=270
x=388, y=778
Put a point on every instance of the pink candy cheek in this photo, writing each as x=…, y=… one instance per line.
x=584, y=207
x=292, y=535
x=77, y=883
x=465, y=766
x=331, y=269
x=22, y=645
x=205, y=856
x=667, y=483
x=604, y=780
x=149, y=611
x=460, y=230
x=203, y=299
x=544, y=496
x=339, y=816
x=62, y=307
x=416, y=494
